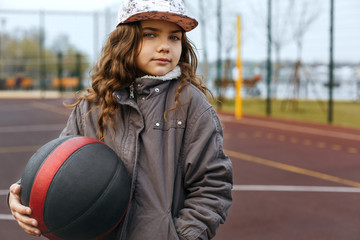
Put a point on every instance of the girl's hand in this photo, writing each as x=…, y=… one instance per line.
x=21, y=213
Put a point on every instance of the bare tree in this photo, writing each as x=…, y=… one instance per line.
x=307, y=12
x=200, y=9
x=290, y=21
x=281, y=29
x=205, y=63
x=281, y=35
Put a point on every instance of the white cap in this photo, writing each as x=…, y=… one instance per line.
x=166, y=10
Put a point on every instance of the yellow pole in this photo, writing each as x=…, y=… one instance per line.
x=238, y=83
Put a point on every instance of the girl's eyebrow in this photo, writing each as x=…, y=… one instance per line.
x=176, y=31
x=159, y=30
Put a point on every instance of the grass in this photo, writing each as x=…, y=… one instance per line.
x=345, y=113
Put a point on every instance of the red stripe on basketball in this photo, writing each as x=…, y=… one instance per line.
x=47, y=172
x=52, y=236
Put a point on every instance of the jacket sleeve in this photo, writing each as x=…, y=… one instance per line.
x=74, y=125
x=207, y=178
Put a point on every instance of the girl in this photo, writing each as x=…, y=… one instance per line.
x=147, y=104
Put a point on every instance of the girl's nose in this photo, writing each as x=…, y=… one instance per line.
x=163, y=46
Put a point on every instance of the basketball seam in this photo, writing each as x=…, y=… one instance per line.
x=66, y=162
x=42, y=163
x=40, y=212
x=95, y=203
x=124, y=213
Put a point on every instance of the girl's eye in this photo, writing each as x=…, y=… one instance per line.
x=151, y=35
x=175, y=38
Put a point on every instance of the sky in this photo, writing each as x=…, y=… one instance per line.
x=81, y=30
x=84, y=5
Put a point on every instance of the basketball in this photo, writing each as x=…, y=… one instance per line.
x=77, y=188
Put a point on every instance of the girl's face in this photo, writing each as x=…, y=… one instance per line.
x=160, y=49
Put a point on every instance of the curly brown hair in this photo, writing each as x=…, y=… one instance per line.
x=116, y=69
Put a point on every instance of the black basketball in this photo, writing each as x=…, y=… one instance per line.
x=77, y=188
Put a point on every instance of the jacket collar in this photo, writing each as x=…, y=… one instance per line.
x=173, y=74
x=143, y=85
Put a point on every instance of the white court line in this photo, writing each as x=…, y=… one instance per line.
x=4, y=192
x=32, y=128
x=295, y=188
x=6, y=217
x=283, y=188
x=256, y=188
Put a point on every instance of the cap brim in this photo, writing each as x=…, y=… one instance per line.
x=185, y=22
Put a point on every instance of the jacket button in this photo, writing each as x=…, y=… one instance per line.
x=157, y=124
x=157, y=90
x=179, y=123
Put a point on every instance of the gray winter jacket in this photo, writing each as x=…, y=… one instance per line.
x=181, y=177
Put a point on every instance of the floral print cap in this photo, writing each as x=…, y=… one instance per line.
x=166, y=10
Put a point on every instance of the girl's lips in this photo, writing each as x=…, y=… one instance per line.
x=162, y=60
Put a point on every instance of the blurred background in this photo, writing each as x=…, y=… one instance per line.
x=297, y=60
x=52, y=45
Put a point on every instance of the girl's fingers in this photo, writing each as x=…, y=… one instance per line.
x=21, y=212
x=15, y=189
x=25, y=219
x=16, y=206
x=19, y=208
x=29, y=229
x=14, y=201
x=27, y=224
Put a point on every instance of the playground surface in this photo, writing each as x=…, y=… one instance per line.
x=292, y=180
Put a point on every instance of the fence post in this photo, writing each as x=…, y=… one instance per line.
x=60, y=71
x=269, y=64
x=78, y=71
x=219, y=60
x=42, y=61
x=331, y=63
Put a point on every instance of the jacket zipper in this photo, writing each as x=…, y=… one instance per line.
x=132, y=96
